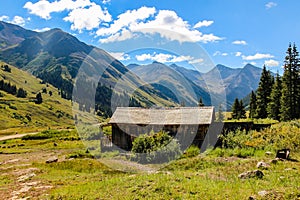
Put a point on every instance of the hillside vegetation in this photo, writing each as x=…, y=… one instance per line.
x=23, y=114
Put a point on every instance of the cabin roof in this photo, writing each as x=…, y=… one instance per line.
x=163, y=116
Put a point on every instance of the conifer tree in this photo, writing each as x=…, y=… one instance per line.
x=274, y=105
x=242, y=111
x=200, y=103
x=263, y=93
x=290, y=99
x=252, y=109
x=235, y=109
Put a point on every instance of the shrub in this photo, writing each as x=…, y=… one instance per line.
x=192, y=151
x=155, y=147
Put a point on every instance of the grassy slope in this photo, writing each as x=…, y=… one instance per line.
x=207, y=176
x=54, y=112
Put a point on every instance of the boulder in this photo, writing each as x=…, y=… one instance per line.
x=251, y=174
x=262, y=165
x=52, y=160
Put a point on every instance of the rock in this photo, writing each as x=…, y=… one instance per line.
x=262, y=165
x=52, y=160
x=55, y=144
x=263, y=193
x=269, y=153
x=25, y=177
x=251, y=174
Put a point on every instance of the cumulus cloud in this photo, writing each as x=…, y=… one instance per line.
x=165, y=58
x=87, y=18
x=239, y=42
x=125, y=20
x=105, y=1
x=203, y=23
x=195, y=61
x=218, y=53
x=238, y=54
x=42, y=29
x=4, y=18
x=44, y=8
x=257, y=56
x=270, y=5
x=18, y=20
x=271, y=63
x=148, y=20
x=120, y=56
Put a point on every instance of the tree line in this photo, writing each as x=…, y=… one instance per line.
x=12, y=89
x=278, y=97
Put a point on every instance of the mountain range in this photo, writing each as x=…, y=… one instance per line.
x=234, y=82
x=57, y=57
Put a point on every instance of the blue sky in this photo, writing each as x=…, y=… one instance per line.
x=197, y=33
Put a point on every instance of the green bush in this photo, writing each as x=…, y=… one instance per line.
x=278, y=136
x=155, y=148
x=192, y=151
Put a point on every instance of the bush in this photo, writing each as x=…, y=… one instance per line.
x=155, y=148
x=192, y=151
x=278, y=136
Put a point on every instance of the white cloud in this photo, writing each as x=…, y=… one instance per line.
x=44, y=8
x=271, y=63
x=195, y=61
x=239, y=42
x=125, y=20
x=42, y=30
x=257, y=56
x=164, y=58
x=87, y=18
x=238, y=54
x=18, y=20
x=218, y=53
x=270, y=5
x=203, y=23
x=120, y=56
x=147, y=20
x=4, y=18
x=105, y=1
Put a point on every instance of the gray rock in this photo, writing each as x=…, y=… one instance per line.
x=52, y=160
x=263, y=193
x=251, y=174
x=262, y=165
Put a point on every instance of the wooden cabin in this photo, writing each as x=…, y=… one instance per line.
x=188, y=125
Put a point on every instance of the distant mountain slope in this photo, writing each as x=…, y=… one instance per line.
x=11, y=34
x=172, y=83
x=238, y=82
x=56, y=56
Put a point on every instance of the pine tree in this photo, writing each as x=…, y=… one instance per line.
x=274, y=105
x=200, y=103
x=242, y=111
x=252, y=109
x=38, y=98
x=290, y=86
x=263, y=93
x=235, y=109
x=21, y=93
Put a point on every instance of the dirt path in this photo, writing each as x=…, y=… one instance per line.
x=9, y=137
x=16, y=136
